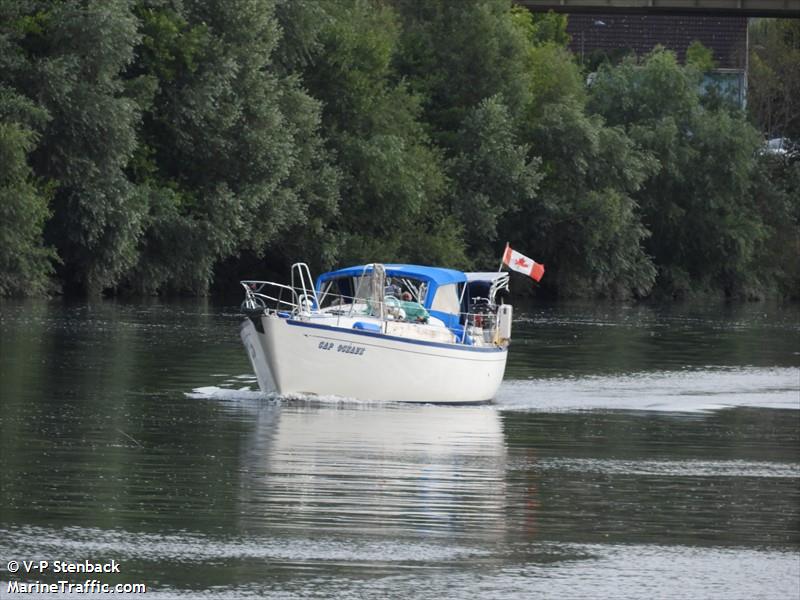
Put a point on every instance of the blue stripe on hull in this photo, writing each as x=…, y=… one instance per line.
x=393, y=338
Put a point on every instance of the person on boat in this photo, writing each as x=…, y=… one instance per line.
x=392, y=289
x=414, y=310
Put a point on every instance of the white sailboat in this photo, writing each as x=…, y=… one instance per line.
x=392, y=332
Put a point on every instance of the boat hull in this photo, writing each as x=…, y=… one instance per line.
x=292, y=357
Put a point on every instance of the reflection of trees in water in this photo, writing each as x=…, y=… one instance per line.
x=581, y=338
x=96, y=428
x=622, y=477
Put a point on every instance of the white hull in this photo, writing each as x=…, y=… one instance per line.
x=293, y=357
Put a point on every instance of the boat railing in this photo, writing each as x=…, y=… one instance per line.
x=268, y=297
x=304, y=283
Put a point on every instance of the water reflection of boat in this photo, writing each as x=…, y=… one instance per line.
x=381, y=468
x=380, y=332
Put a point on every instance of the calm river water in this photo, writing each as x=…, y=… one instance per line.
x=632, y=452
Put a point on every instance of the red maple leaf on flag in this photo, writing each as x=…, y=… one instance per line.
x=520, y=262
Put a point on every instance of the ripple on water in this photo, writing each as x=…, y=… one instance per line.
x=622, y=571
x=79, y=543
x=663, y=468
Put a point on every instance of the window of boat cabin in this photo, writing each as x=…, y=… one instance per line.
x=346, y=290
x=415, y=287
x=364, y=291
x=343, y=290
x=336, y=291
x=447, y=299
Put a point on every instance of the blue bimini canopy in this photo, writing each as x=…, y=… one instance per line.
x=434, y=277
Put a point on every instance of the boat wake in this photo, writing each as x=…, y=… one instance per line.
x=213, y=392
x=692, y=391
x=689, y=391
x=232, y=390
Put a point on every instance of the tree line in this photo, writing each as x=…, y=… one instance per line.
x=165, y=146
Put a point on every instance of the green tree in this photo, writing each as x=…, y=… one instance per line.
x=774, y=77
x=492, y=176
x=700, y=57
x=542, y=29
x=69, y=63
x=457, y=54
x=230, y=156
x=585, y=224
x=553, y=74
x=392, y=178
x=699, y=204
x=25, y=262
x=777, y=195
x=555, y=78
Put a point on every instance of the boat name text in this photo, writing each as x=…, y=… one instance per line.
x=346, y=348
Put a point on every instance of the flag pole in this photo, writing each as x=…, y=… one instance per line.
x=502, y=259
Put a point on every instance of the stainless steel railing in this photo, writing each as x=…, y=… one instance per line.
x=269, y=297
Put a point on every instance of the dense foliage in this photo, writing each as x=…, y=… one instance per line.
x=774, y=76
x=155, y=146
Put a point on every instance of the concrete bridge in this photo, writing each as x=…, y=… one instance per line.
x=742, y=8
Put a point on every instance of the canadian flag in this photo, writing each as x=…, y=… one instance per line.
x=522, y=264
